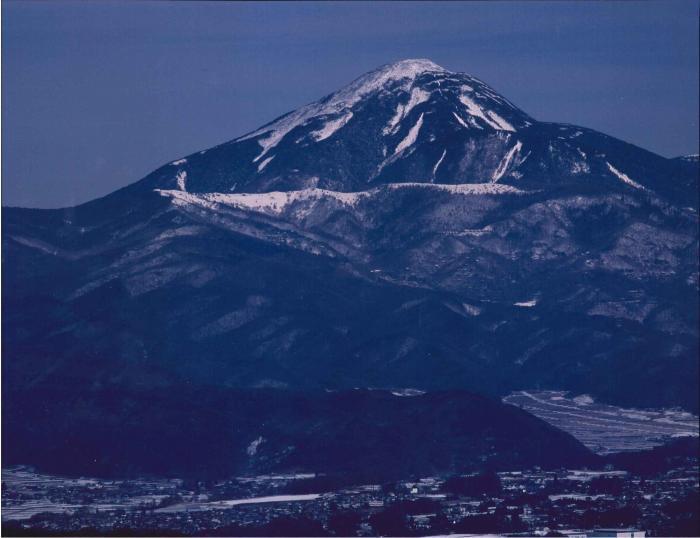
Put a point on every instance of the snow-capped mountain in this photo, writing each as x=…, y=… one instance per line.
x=413, y=121
x=414, y=229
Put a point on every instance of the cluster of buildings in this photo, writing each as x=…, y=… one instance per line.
x=571, y=503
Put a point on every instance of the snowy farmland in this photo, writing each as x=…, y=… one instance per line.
x=606, y=428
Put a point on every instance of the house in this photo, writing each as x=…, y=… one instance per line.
x=616, y=533
x=574, y=534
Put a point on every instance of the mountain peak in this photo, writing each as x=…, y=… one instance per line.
x=409, y=68
x=404, y=72
x=410, y=121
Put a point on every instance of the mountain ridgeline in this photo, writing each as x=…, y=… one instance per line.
x=413, y=230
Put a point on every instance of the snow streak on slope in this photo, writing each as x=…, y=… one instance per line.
x=418, y=96
x=625, y=178
x=331, y=127
x=410, y=137
x=264, y=163
x=405, y=71
x=437, y=164
x=488, y=116
x=461, y=121
x=181, y=180
x=505, y=163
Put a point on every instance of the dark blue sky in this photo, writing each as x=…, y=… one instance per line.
x=97, y=94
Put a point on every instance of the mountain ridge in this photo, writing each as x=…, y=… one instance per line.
x=411, y=103
x=484, y=259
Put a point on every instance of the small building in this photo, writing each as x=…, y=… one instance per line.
x=421, y=521
x=616, y=533
x=573, y=533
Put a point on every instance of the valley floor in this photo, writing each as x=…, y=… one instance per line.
x=605, y=428
x=526, y=501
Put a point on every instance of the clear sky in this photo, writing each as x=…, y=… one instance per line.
x=97, y=94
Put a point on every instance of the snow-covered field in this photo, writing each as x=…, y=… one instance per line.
x=27, y=493
x=606, y=428
x=222, y=505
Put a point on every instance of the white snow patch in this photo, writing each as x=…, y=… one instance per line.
x=408, y=392
x=487, y=116
x=580, y=167
x=526, y=304
x=460, y=188
x=437, y=164
x=461, y=121
x=253, y=446
x=583, y=399
x=331, y=127
x=183, y=231
x=226, y=504
x=471, y=309
x=39, y=245
x=268, y=202
x=463, y=309
x=263, y=164
x=625, y=178
x=404, y=72
x=181, y=178
x=505, y=163
x=410, y=137
x=502, y=123
x=417, y=97
x=277, y=202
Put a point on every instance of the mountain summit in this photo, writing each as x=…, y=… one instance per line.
x=414, y=121
x=414, y=229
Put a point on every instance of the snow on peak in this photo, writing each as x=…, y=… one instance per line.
x=405, y=71
x=401, y=81
x=340, y=103
x=410, y=68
